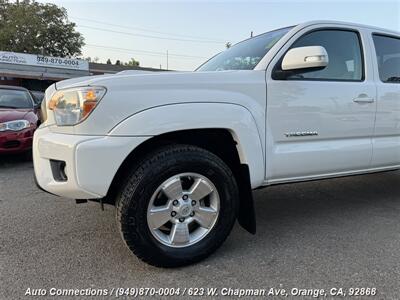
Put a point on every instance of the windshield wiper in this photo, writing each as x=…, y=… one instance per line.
x=7, y=106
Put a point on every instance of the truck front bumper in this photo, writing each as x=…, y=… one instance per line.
x=77, y=166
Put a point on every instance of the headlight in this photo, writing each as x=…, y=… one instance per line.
x=16, y=125
x=72, y=106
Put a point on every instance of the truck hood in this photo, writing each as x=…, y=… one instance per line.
x=103, y=79
x=127, y=94
x=156, y=80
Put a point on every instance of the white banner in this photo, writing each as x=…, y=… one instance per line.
x=43, y=61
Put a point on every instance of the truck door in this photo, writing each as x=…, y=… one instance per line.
x=320, y=122
x=386, y=141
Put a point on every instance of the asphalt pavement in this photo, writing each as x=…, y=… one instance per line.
x=338, y=233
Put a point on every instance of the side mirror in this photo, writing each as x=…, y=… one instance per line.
x=305, y=58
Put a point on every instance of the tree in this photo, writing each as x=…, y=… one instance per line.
x=108, y=62
x=38, y=28
x=228, y=45
x=132, y=62
x=118, y=62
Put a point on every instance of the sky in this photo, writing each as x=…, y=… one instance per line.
x=192, y=31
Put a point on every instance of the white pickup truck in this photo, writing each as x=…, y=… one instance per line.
x=179, y=153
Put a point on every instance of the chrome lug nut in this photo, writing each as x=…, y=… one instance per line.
x=175, y=202
x=193, y=202
x=182, y=220
x=185, y=197
x=192, y=214
x=173, y=214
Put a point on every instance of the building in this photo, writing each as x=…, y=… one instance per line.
x=37, y=72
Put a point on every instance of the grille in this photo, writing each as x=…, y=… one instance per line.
x=11, y=144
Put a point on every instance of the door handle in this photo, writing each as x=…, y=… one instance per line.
x=363, y=99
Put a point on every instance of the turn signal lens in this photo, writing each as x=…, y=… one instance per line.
x=72, y=106
x=88, y=106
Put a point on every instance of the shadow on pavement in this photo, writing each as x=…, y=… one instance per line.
x=317, y=202
x=11, y=160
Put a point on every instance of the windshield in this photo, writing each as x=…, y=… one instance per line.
x=15, y=99
x=37, y=96
x=244, y=55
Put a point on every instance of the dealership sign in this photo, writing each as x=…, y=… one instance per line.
x=43, y=61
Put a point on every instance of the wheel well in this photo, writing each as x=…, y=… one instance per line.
x=218, y=141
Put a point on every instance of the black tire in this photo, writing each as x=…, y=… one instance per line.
x=146, y=176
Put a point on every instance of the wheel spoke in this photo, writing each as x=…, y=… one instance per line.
x=200, y=189
x=179, y=234
x=173, y=189
x=158, y=216
x=183, y=210
x=205, y=216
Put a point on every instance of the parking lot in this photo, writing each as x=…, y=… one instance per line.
x=325, y=234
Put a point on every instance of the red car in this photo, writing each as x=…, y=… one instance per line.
x=19, y=118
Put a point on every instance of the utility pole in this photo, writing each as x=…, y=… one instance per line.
x=251, y=34
x=167, y=59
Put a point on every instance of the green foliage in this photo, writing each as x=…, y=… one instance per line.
x=32, y=27
x=132, y=62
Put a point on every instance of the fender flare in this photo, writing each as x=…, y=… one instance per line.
x=184, y=116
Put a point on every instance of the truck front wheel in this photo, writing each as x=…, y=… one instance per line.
x=177, y=206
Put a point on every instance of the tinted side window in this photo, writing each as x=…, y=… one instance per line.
x=344, y=51
x=388, y=57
